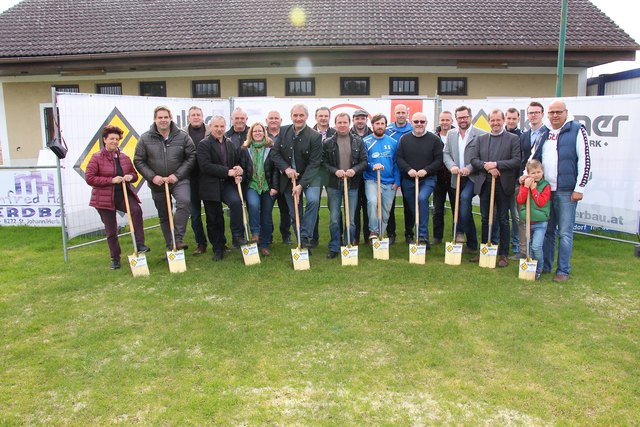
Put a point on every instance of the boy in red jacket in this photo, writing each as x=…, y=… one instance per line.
x=535, y=186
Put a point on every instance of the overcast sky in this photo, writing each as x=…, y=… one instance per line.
x=625, y=13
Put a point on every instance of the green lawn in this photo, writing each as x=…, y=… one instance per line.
x=384, y=343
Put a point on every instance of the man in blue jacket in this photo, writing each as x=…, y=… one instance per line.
x=396, y=130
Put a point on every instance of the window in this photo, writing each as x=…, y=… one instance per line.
x=205, y=88
x=109, y=88
x=403, y=85
x=153, y=89
x=354, y=86
x=252, y=87
x=68, y=88
x=452, y=86
x=300, y=87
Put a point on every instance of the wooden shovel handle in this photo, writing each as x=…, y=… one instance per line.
x=244, y=212
x=528, y=222
x=379, y=205
x=170, y=213
x=457, y=207
x=345, y=185
x=295, y=209
x=417, y=189
x=126, y=204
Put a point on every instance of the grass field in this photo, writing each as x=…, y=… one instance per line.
x=384, y=343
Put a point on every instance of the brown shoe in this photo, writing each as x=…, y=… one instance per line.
x=200, y=250
x=180, y=246
x=460, y=238
x=559, y=278
x=264, y=252
x=503, y=261
x=255, y=237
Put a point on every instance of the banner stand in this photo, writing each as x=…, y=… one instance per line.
x=56, y=127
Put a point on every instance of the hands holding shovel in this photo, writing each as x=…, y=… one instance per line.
x=292, y=174
x=121, y=179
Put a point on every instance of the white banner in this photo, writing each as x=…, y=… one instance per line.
x=82, y=116
x=612, y=197
x=29, y=197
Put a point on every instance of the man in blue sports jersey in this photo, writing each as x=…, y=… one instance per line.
x=381, y=155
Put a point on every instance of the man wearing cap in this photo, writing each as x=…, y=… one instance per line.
x=361, y=129
x=395, y=130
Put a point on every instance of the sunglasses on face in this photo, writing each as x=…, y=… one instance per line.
x=419, y=122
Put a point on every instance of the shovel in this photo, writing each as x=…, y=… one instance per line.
x=175, y=258
x=417, y=252
x=488, y=251
x=348, y=253
x=299, y=256
x=528, y=266
x=250, y=250
x=137, y=262
x=380, y=245
x=453, y=250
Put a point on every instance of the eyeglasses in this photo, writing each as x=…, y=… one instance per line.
x=556, y=112
x=534, y=113
x=462, y=118
x=419, y=122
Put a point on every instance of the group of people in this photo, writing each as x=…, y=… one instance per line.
x=269, y=163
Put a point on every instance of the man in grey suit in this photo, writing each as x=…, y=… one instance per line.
x=496, y=154
x=457, y=159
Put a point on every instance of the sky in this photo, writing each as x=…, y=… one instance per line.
x=625, y=13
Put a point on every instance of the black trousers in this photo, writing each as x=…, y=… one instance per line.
x=443, y=188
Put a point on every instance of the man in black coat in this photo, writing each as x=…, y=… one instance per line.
x=298, y=154
x=496, y=154
x=220, y=171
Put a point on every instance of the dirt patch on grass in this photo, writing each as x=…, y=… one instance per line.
x=297, y=404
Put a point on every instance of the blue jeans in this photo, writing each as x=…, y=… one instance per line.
x=426, y=187
x=538, y=230
x=260, y=207
x=466, y=223
x=561, y=222
x=387, y=195
x=310, y=213
x=181, y=192
x=334, y=197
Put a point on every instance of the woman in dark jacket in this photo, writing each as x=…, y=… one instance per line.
x=261, y=181
x=105, y=172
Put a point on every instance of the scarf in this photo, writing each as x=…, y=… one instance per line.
x=258, y=180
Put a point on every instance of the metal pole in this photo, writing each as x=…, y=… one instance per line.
x=63, y=224
x=561, y=45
